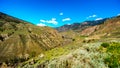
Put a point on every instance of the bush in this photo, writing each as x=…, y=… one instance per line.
x=113, y=59
x=105, y=45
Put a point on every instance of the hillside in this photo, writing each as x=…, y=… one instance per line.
x=110, y=28
x=20, y=40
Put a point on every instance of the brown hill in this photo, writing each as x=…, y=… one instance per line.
x=110, y=28
x=20, y=40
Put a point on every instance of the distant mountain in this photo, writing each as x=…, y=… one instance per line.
x=80, y=26
x=20, y=40
x=110, y=28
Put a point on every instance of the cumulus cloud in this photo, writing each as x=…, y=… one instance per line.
x=52, y=21
x=41, y=24
x=98, y=18
x=66, y=19
x=61, y=14
x=92, y=16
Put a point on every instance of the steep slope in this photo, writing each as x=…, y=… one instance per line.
x=88, y=31
x=110, y=28
x=80, y=26
x=20, y=40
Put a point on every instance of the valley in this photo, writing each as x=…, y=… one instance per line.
x=91, y=44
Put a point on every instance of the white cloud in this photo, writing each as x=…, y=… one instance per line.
x=52, y=21
x=41, y=24
x=92, y=16
x=68, y=24
x=98, y=18
x=66, y=19
x=118, y=14
x=61, y=14
x=42, y=20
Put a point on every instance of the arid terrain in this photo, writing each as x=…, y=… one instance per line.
x=90, y=44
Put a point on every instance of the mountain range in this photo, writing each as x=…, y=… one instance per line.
x=80, y=26
x=103, y=26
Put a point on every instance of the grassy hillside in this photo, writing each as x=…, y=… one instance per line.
x=79, y=55
x=20, y=40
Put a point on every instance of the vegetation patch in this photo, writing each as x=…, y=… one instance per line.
x=113, y=51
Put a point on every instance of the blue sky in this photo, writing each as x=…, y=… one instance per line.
x=56, y=13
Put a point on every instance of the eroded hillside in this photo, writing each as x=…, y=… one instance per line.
x=20, y=40
x=110, y=28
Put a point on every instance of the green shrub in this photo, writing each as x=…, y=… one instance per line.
x=105, y=45
x=113, y=60
x=1, y=29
